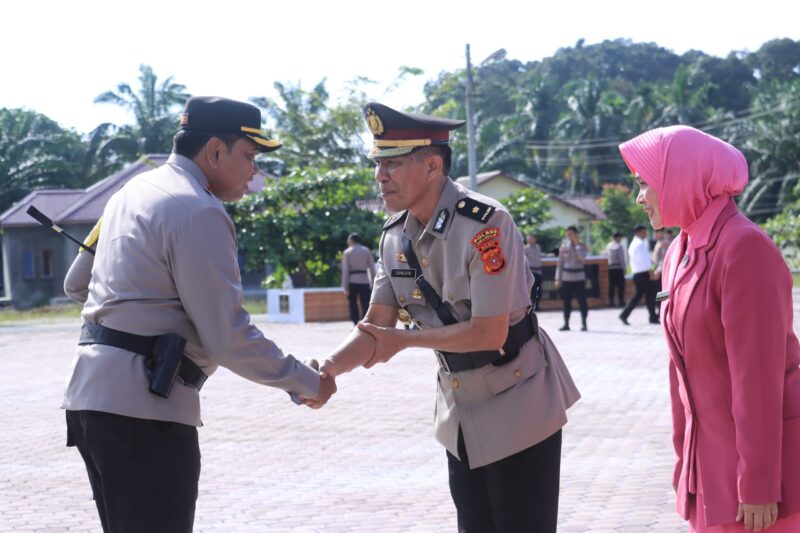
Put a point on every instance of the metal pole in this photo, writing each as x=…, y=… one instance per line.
x=471, y=158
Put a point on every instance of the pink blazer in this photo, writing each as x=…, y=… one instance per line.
x=734, y=374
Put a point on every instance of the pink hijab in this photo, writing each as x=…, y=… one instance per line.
x=689, y=170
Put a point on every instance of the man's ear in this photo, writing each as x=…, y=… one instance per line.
x=213, y=152
x=433, y=165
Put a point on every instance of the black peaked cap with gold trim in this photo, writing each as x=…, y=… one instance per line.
x=221, y=115
x=396, y=133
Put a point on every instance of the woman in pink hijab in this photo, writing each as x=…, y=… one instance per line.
x=734, y=358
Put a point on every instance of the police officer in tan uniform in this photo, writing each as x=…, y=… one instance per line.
x=453, y=264
x=165, y=273
x=571, y=276
x=358, y=268
x=533, y=253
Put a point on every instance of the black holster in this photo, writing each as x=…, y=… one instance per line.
x=164, y=363
x=163, y=356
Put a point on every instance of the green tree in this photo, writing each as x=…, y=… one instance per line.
x=155, y=108
x=32, y=150
x=313, y=131
x=530, y=209
x=784, y=228
x=299, y=223
x=618, y=202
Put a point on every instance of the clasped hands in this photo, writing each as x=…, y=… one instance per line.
x=388, y=342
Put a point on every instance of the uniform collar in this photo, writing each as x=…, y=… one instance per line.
x=191, y=168
x=442, y=217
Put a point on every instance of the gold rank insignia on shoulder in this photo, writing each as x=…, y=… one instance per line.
x=416, y=294
x=404, y=316
x=400, y=256
x=475, y=210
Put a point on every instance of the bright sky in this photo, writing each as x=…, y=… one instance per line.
x=57, y=56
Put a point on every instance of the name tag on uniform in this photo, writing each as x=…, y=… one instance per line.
x=404, y=273
x=661, y=296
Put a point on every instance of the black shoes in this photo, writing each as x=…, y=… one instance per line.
x=655, y=320
x=565, y=327
x=624, y=320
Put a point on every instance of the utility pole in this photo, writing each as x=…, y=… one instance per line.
x=471, y=158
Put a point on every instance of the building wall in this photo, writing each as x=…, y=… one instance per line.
x=33, y=241
x=500, y=188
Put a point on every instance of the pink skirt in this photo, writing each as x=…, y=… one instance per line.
x=789, y=524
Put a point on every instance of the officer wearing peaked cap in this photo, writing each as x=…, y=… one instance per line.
x=453, y=264
x=165, y=272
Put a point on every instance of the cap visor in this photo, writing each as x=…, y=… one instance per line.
x=264, y=144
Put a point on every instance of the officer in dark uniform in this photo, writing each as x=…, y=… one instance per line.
x=452, y=263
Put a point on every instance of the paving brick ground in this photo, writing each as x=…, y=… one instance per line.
x=365, y=463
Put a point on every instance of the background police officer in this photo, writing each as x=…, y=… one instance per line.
x=453, y=263
x=571, y=277
x=617, y=266
x=166, y=263
x=358, y=268
x=533, y=253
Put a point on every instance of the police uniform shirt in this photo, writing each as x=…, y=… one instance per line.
x=167, y=262
x=357, y=258
x=571, y=259
x=616, y=255
x=659, y=253
x=534, y=256
x=475, y=262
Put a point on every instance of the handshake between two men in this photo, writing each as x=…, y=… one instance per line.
x=374, y=340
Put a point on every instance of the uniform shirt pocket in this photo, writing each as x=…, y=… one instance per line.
x=456, y=289
x=527, y=364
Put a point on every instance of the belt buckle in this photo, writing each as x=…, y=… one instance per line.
x=442, y=360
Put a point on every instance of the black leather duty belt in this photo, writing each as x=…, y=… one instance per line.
x=189, y=372
x=518, y=335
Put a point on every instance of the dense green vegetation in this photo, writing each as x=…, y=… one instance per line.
x=554, y=123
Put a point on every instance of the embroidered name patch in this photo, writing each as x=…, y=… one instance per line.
x=404, y=273
x=488, y=245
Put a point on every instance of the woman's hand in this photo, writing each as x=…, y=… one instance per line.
x=757, y=517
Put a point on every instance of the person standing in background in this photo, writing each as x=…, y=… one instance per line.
x=639, y=254
x=533, y=253
x=617, y=266
x=358, y=269
x=570, y=276
x=659, y=253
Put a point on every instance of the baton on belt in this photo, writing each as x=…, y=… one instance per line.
x=44, y=221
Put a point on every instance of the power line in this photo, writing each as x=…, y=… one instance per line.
x=609, y=142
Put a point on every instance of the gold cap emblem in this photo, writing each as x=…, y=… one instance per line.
x=374, y=122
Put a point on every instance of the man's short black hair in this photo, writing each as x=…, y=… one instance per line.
x=442, y=151
x=188, y=143
x=618, y=235
x=639, y=227
x=572, y=228
x=355, y=237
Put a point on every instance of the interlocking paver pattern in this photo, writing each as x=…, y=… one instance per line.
x=367, y=462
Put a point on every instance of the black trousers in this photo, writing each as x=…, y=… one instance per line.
x=358, y=292
x=536, y=290
x=616, y=285
x=143, y=473
x=576, y=289
x=643, y=287
x=518, y=494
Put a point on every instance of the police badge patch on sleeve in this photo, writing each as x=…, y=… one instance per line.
x=487, y=242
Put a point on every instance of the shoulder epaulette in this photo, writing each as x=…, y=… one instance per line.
x=474, y=209
x=395, y=219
